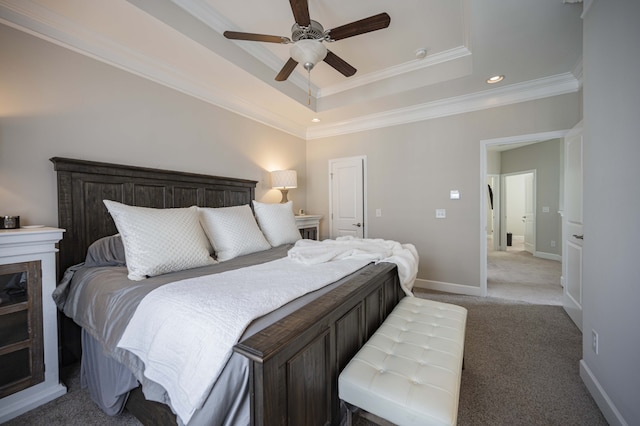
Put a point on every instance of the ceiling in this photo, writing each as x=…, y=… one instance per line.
x=536, y=45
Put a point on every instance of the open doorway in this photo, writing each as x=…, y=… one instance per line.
x=519, y=195
x=538, y=264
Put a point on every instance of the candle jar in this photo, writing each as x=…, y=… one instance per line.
x=9, y=222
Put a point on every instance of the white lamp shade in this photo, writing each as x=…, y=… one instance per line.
x=284, y=179
x=308, y=51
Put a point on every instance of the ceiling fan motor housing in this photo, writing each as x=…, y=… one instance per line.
x=314, y=31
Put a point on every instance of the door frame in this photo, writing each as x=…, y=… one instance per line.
x=365, y=218
x=484, y=145
x=497, y=205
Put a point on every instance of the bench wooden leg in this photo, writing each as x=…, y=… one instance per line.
x=375, y=419
x=372, y=418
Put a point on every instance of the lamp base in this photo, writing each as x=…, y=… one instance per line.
x=284, y=196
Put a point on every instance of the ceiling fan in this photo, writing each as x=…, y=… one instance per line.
x=307, y=36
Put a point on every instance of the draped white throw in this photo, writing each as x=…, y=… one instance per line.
x=405, y=256
x=184, y=332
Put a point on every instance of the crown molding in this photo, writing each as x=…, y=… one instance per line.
x=586, y=7
x=506, y=95
x=395, y=71
x=205, y=12
x=37, y=20
x=578, y=71
x=43, y=23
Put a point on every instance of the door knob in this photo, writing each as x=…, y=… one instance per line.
x=579, y=237
x=357, y=224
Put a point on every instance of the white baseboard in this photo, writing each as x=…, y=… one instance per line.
x=448, y=287
x=550, y=256
x=603, y=401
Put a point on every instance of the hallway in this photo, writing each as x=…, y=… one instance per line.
x=516, y=274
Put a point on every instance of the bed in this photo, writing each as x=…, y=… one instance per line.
x=292, y=362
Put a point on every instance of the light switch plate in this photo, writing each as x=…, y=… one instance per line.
x=454, y=194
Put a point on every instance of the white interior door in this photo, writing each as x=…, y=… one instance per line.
x=529, y=213
x=347, y=197
x=572, y=226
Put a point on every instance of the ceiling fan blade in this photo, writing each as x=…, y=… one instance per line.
x=300, y=9
x=366, y=25
x=286, y=71
x=234, y=35
x=339, y=64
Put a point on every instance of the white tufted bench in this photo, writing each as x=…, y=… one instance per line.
x=409, y=371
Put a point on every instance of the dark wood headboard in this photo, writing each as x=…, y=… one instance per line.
x=82, y=185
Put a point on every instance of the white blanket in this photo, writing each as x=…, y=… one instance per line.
x=184, y=332
x=405, y=256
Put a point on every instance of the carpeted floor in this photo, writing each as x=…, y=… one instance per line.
x=521, y=365
x=521, y=368
x=517, y=275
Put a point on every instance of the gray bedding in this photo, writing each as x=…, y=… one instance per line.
x=101, y=299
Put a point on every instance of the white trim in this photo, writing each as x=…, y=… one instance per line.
x=483, y=217
x=548, y=256
x=497, y=222
x=43, y=23
x=448, y=287
x=203, y=11
x=586, y=7
x=484, y=144
x=394, y=71
x=515, y=93
x=606, y=405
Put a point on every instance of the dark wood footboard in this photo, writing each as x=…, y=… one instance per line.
x=296, y=361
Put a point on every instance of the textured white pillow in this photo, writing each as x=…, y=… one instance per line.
x=278, y=223
x=158, y=241
x=233, y=231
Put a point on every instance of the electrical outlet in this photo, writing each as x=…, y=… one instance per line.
x=441, y=213
x=594, y=341
x=553, y=243
x=378, y=212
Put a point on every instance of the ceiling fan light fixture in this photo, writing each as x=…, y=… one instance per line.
x=308, y=52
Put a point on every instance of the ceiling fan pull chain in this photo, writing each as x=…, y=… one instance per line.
x=309, y=82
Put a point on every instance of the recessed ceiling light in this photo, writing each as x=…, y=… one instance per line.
x=495, y=79
x=315, y=120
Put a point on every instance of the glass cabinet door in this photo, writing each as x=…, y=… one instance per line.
x=21, y=343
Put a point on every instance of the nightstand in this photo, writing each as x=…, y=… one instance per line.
x=309, y=225
x=29, y=374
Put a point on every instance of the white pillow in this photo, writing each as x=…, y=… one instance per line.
x=233, y=231
x=158, y=241
x=278, y=223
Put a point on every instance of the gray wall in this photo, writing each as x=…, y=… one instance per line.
x=411, y=169
x=57, y=103
x=546, y=159
x=611, y=271
x=54, y=102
